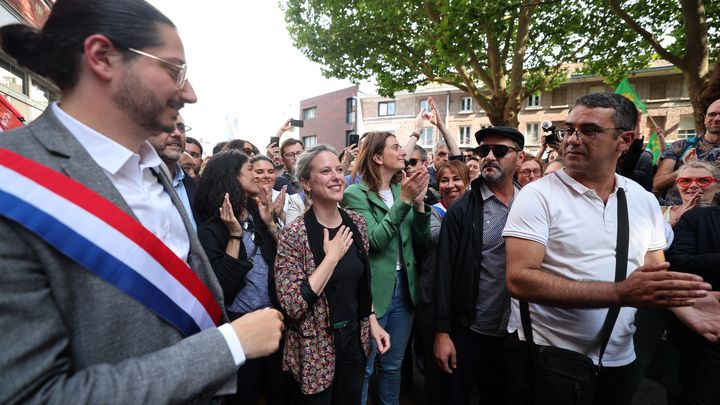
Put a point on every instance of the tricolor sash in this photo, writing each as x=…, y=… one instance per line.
x=105, y=240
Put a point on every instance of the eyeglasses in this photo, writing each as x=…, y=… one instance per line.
x=498, y=151
x=181, y=70
x=289, y=155
x=584, y=133
x=528, y=172
x=702, y=182
x=248, y=151
x=183, y=128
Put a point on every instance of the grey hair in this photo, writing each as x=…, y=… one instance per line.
x=625, y=116
x=303, y=166
x=438, y=145
x=714, y=170
x=421, y=152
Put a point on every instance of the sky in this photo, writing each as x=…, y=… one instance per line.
x=248, y=77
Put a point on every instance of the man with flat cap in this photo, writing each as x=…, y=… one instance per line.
x=471, y=304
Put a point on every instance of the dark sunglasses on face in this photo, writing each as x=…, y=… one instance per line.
x=702, y=182
x=498, y=150
x=411, y=162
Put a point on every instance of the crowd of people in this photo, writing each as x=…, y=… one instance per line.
x=135, y=270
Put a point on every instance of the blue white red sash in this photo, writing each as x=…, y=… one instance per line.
x=105, y=240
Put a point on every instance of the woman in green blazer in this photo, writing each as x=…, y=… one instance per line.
x=397, y=221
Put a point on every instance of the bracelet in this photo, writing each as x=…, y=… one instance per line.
x=416, y=135
x=235, y=237
x=372, y=313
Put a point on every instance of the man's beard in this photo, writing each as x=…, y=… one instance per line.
x=495, y=177
x=141, y=104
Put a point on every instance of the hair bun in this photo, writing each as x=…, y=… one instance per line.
x=25, y=44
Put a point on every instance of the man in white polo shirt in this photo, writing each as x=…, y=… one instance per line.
x=561, y=238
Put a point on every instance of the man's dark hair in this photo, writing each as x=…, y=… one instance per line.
x=56, y=50
x=288, y=143
x=625, y=115
x=194, y=141
x=421, y=152
x=218, y=147
x=239, y=144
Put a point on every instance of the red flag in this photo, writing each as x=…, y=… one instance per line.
x=9, y=117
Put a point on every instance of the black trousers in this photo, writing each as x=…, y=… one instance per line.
x=480, y=363
x=260, y=375
x=699, y=366
x=436, y=381
x=610, y=388
x=347, y=384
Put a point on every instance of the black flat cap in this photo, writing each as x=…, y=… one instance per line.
x=507, y=132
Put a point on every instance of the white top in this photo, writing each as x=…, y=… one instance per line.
x=389, y=200
x=130, y=173
x=579, y=233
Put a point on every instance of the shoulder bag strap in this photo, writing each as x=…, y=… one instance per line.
x=621, y=256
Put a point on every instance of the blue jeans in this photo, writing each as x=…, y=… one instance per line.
x=397, y=321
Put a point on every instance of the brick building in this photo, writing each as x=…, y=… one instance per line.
x=29, y=93
x=330, y=118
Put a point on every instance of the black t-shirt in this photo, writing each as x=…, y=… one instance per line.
x=342, y=289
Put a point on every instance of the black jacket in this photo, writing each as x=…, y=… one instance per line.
x=458, y=261
x=231, y=272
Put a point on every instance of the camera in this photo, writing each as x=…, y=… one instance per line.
x=552, y=137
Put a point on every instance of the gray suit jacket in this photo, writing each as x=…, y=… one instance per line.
x=67, y=336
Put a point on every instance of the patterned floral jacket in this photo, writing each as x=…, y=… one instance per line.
x=309, y=352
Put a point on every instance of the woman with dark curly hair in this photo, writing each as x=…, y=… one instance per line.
x=239, y=235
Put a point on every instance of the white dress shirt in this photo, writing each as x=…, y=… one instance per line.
x=132, y=176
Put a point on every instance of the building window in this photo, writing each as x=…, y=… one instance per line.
x=534, y=100
x=386, y=108
x=466, y=104
x=424, y=105
x=12, y=77
x=309, y=141
x=309, y=113
x=464, y=135
x=686, y=127
x=350, y=108
x=531, y=133
x=559, y=97
x=426, y=138
x=658, y=90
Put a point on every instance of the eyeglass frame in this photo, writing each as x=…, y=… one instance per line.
x=181, y=80
x=288, y=155
x=528, y=172
x=184, y=129
x=695, y=180
x=563, y=132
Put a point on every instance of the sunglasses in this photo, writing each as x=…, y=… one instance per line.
x=498, y=150
x=702, y=182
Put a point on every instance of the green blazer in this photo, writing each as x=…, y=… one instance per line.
x=383, y=227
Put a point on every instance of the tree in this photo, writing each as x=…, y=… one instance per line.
x=683, y=32
x=499, y=52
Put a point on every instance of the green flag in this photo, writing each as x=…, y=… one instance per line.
x=625, y=89
x=654, y=147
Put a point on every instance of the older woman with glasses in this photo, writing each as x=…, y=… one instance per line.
x=698, y=184
x=531, y=169
x=696, y=249
x=238, y=232
x=322, y=275
x=397, y=221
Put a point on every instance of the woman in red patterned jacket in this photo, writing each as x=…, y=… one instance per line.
x=322, y=277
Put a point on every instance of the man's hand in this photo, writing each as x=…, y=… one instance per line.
x=651, y=287
x=259, y=332
x=445, y=352
x=704, y=317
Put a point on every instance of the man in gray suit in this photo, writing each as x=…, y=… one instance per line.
x=70, y=333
